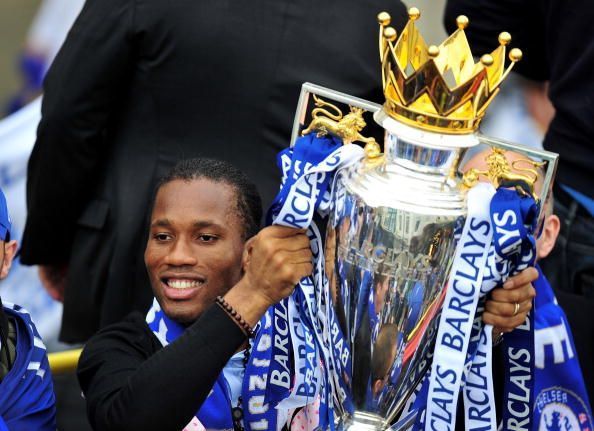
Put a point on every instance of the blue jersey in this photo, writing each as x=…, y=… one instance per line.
x=27, y=400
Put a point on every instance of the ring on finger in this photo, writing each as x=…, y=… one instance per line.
x=516, y=308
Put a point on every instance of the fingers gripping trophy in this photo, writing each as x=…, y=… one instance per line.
x=397, y=216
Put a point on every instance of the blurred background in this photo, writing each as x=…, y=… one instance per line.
x=31, y=32
x=17, y=18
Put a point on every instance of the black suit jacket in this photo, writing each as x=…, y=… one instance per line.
x=140, y=84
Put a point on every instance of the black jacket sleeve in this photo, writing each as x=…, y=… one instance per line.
x=131, y=383
x=81, y=90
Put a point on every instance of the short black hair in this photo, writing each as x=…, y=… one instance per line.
x=249, y=203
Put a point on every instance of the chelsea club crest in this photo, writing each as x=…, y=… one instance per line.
x=558, y=409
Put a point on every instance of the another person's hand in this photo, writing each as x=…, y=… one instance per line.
x=501, y=310
x=53, y=279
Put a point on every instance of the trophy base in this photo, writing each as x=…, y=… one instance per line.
x=361, y=421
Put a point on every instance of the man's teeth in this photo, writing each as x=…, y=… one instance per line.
x=183, y=284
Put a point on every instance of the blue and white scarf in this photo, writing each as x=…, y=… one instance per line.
x=300, y=348
x=561, y=400
x=27, y=399
x=496, y=242
x=215, y=412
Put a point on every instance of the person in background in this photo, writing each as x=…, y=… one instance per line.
x=26, y=391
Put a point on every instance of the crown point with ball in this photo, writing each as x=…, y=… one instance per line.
x=384, y=18
x=414, y=13
x=515, y=54
x=462, y=22
x=504, y=38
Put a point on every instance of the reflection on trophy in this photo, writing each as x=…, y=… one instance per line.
x=391, y=236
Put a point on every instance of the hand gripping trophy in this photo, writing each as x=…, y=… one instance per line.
x=397, y=217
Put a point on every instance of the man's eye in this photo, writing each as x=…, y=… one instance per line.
x=207, y=238
x=162, y=236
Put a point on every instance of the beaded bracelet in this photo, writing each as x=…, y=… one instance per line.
x=236, y=316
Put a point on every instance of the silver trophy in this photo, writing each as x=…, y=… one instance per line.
x=391, y=236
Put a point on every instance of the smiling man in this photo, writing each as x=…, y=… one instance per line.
x=213, y=276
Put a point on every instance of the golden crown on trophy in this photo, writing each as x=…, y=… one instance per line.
x=439, y=88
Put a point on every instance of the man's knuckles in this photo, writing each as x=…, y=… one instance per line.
x=301, y=241
x=304, y=256
x=526, y=276
x=277, y=231
x=505, y=323
x=306, y=269
x=507, y=309
x=289, y=276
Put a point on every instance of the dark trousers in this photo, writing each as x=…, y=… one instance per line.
x=570, y=270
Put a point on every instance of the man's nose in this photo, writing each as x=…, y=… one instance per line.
x=181, y=254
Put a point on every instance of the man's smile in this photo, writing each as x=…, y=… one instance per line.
x=182, y=283
x=182, y=287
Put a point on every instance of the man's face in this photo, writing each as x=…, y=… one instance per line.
x=195, y=246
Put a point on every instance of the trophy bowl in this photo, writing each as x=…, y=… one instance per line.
x=391, y=237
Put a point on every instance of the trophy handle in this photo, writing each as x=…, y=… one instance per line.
x=304, y=107
x=545, y=160
x=329, y=119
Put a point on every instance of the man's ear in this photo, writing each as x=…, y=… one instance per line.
x=10, y=248
x=550, y=232
x=247, y=250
